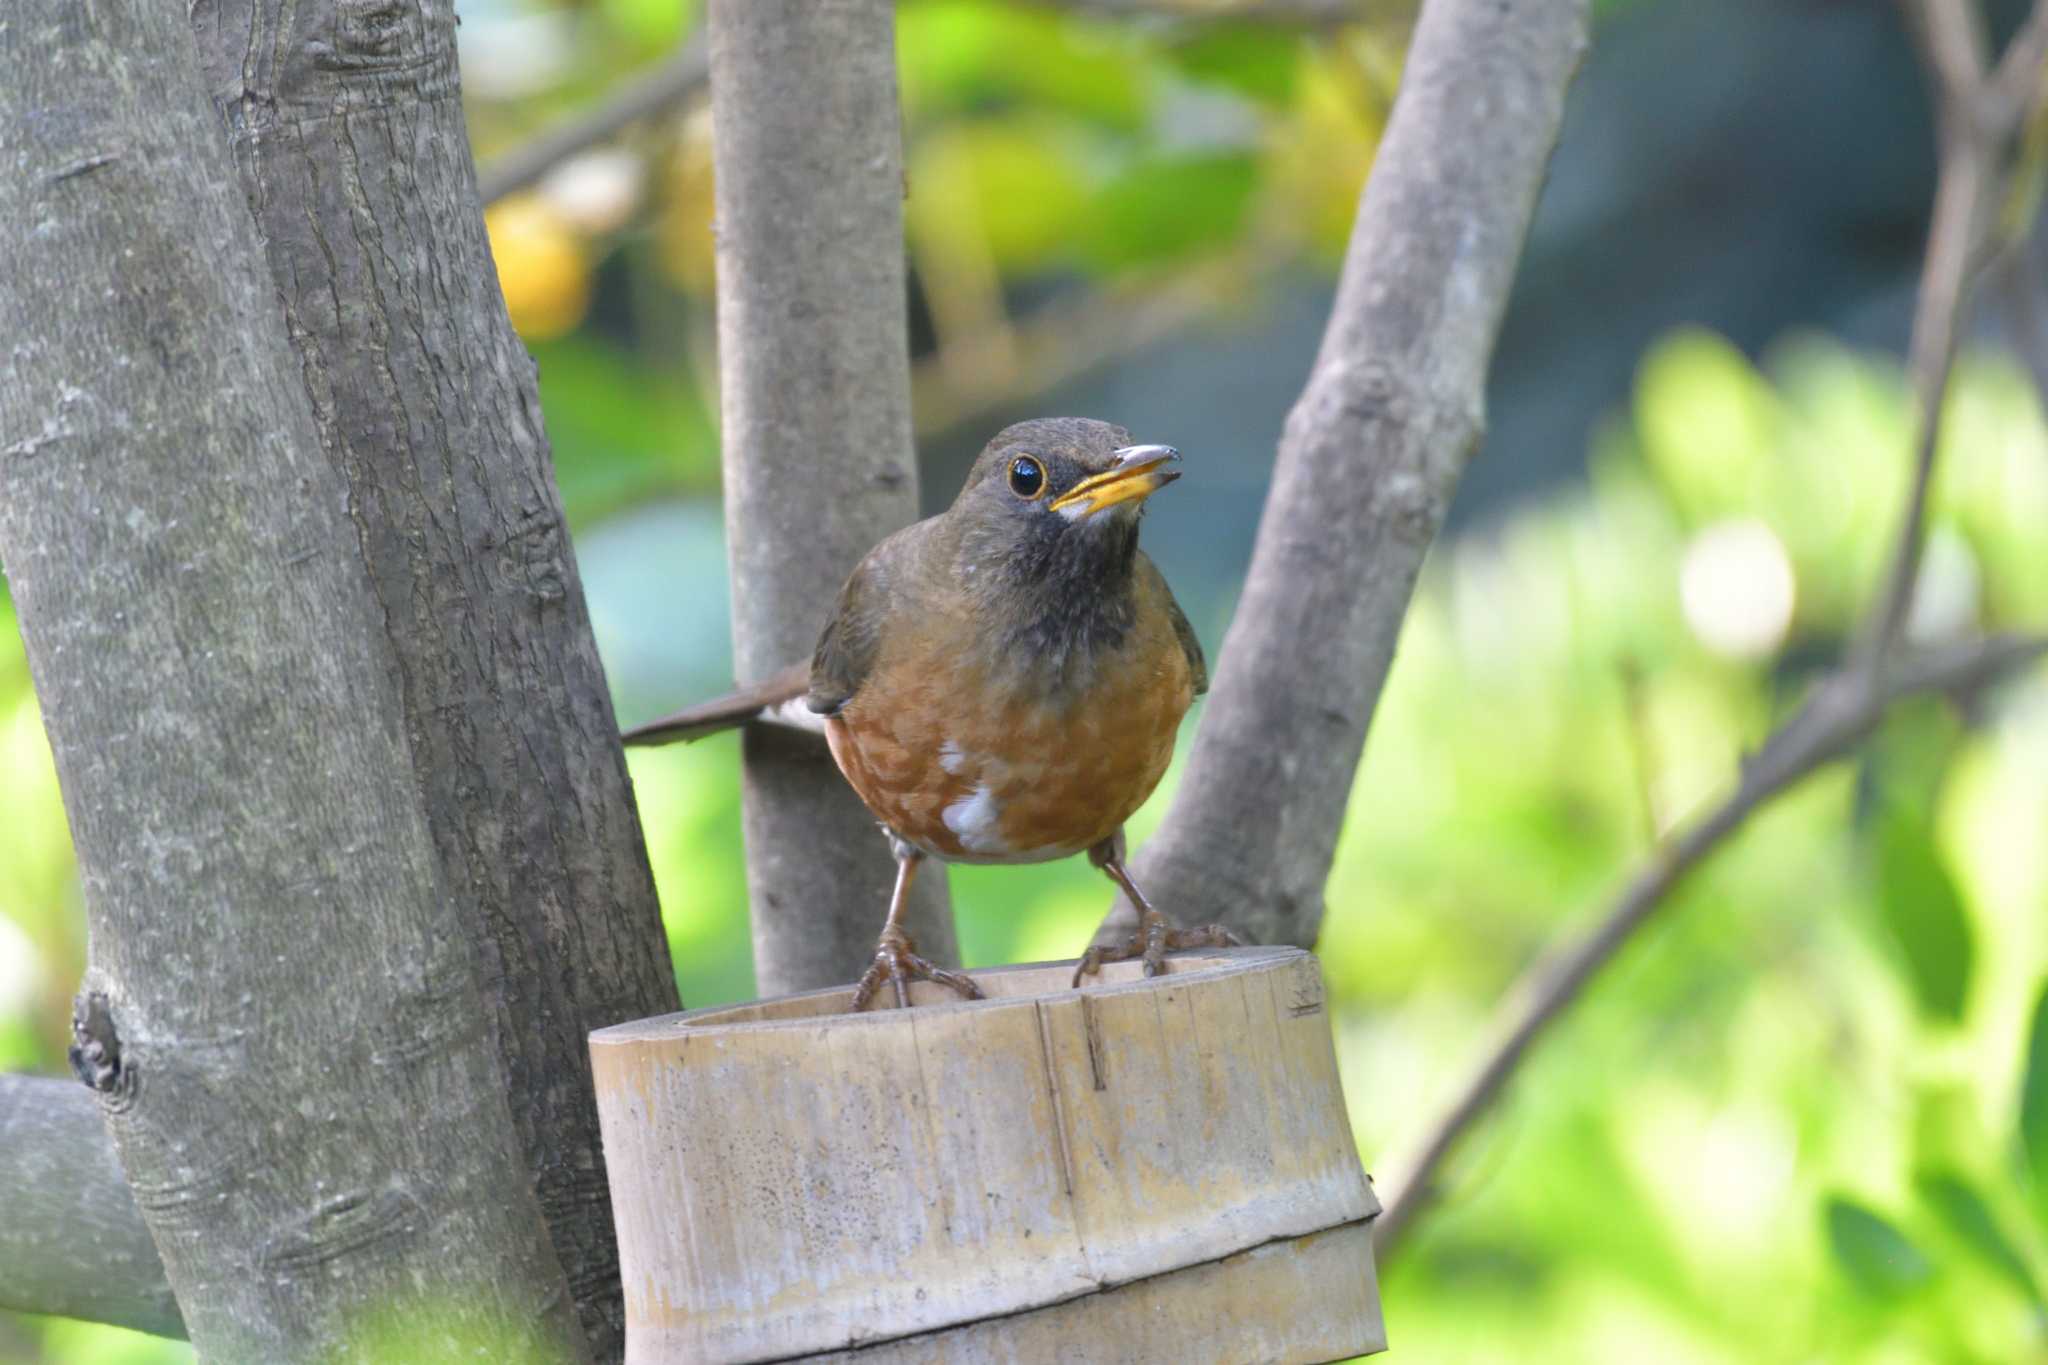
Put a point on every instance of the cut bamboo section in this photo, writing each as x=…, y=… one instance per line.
x=1141, y=1170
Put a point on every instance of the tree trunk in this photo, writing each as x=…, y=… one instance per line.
x=814, y=374
x=59, y=1174
x=348, y=130
x=1373, y=450
x=281, y=1013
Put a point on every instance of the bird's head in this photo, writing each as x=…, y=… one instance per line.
x=1060, y=495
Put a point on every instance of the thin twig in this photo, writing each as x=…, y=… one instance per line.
x=2016, y=84
x=1977, y=117
x=662, y=87
x=1839, y=716
x=1952, y=43
x=1958, y=192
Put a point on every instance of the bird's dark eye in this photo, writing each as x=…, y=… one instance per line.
x=1027, y=477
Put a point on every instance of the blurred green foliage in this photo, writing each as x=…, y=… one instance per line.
x=1045, y=152
x=1789, y=1123
x=1805, y=1117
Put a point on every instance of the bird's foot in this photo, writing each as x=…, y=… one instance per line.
x=896, y=962
x=1153, y=941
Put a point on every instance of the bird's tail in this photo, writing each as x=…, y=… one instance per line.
x=780, y=692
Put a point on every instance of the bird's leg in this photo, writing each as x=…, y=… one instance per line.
x=896, y=960
x=1155, y=937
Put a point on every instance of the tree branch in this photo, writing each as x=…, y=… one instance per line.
x=814, y=378
x=659, y=89
x=354, y=158
x=281, y=1015
x=1840, y=714
x=2016, y=84
x=73, y=1244
x=1977, y=118
x=1371, y=454
x=1845, y=707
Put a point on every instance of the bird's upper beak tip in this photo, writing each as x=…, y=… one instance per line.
x=1147, y=454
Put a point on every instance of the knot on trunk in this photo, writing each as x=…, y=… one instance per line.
x=95, y=1051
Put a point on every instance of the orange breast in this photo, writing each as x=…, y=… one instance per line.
x=974, y=772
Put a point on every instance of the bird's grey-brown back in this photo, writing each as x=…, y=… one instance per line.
x=885, y=585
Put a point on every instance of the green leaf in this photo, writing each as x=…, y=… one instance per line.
x=651, y=25
x=1963, y=1211
x=958, y=55
x=1708, y=425
x=1011, y=188
x=1922, y=909
x=620, y=426
x=19, y=1050
x=1876, y=1255
x=1259, y=61
x=2034, y=1107
x=1168, y=208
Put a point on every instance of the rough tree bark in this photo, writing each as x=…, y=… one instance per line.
x=59, y=1171
x=348, y=130
x=814, y=375
x=281, y=1013
x=1372, y=452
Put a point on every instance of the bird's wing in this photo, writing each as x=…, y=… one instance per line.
x=1198, y=667
x=848, y=644
x=723, y=713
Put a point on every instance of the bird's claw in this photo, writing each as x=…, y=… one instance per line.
x=1153, y=941
x=896, y=962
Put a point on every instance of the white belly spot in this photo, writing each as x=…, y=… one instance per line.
x=975, y=819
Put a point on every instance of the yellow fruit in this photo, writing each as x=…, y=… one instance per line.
x=541, y=267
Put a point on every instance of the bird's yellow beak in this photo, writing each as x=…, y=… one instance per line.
x=1138, y=473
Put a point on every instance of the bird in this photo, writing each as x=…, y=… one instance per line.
x=1002, y=682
